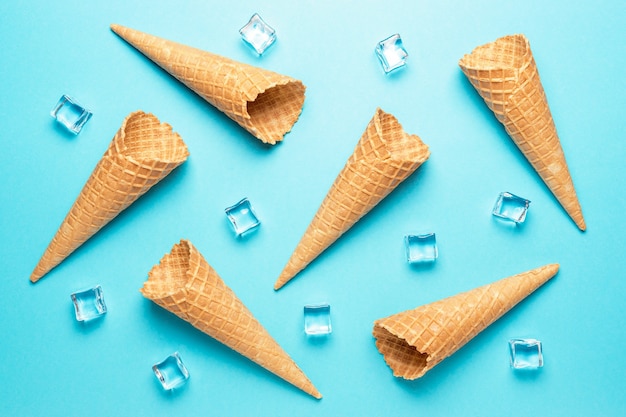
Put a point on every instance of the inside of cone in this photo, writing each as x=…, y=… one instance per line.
x=274, y=111
x=146, y=138
x=170, y=275
x=400, y=145
x=405, y=360
x=506, y=52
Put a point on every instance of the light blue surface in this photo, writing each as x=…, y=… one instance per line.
x=55, y=366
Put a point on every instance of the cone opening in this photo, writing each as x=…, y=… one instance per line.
x=400, y=145
x=405, y=360
x=508, y=52
x=144, y=137
x=274, y=111
x=171, y=274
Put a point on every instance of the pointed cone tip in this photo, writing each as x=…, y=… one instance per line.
x=283, y=279
x=39, y=272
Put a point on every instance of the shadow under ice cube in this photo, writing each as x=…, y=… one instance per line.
x=171, y=372
x=258, y=34
x=89, y=304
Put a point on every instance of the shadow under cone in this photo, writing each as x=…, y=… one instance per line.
x=143, y=152
x=505, y=75
x=414, y=341
x=263, y=102
x=186, y=285
x=384, y=157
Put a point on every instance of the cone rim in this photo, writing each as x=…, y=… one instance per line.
x=158, y=155
x=399, y=150
x=477, y=59
x=153, y=280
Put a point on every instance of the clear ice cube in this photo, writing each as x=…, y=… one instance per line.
x=391, y=53
x=258, y=34
x=511, y=207
x=317, y=319
x=70, y=114
x=242, y=217
x=525, y=353
x=89, y=304
x=171, y=372
x=421, y=248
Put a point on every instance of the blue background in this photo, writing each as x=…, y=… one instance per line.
x=53, y=366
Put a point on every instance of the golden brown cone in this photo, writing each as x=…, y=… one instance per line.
x=263, y=102
x=143, y=152
x=505, y=75
x=186, y=285
x=384, y=157
x=414, y=341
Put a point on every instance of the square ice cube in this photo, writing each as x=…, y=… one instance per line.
x=171, y=372
x=391, y=53
x=258, y=34
x=242, y=217
x=525, y=353
x=89, y=304
x=511, y=207
x=421, y=248
x=70, y=114
x=317, y=319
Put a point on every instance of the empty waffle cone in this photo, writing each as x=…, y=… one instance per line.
x=414, y=341
x=505, y=75
x=143, y=152
x=384, y=157
x=263, y=102
x=186, y=285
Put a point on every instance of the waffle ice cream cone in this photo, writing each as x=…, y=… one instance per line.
x=505, y=75
x=414, y=341
x=384, y=157
x=143, y=152
x=263, y=102
x=186, y=285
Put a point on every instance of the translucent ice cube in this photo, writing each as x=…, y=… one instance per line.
x=421, y=248
x=391, y=53
x=525, y=353
x=511, y=207
x=242, y=217
x=258, y=34
x=70, y=114
x=317, y=319
x=171, y=372
x=89, y=304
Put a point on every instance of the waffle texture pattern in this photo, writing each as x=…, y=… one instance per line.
x=143, y=152
x=384, y=157
x=263, y=102
x=186, y=285
x=414, y=341
x=505, y=75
